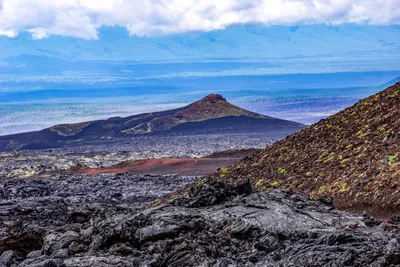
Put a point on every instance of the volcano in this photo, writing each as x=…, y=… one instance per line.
x=211, y=115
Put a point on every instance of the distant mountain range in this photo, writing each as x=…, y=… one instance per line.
x=210, y=115
x=352, y=156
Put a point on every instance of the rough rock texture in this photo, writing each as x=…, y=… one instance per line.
x=49, y=217
x=353, y=156
x=212, y=224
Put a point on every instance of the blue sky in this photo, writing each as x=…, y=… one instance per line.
x=72, y=60
x=198, y=30
x=239, y=43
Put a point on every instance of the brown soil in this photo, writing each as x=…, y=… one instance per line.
x=353, y=156
x=189, y=167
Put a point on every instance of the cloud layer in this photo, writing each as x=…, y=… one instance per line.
x=82, y=18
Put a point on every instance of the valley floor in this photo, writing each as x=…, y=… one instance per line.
x=28, y=163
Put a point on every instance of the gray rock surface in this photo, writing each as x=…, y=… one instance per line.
x=7, y=258
x=43, y=222
x=84, y=224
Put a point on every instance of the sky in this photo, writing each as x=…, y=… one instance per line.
x=66, y=61
x=83, y=18
x=195, y=30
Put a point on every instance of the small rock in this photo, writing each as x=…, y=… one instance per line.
x=389, y=226
x=34, y=254
x=76, y=247
x=56, y=241
x=62, y=253
x=7, y=258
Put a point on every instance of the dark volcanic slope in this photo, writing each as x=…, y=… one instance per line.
x=212, y=114
x=353, y=156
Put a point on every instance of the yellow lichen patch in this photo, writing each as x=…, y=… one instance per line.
x=392, y=159
x=225, y=170
x=313, y=195
x=282, y=171
x=344, y=161
x=155, y=204
x=259, y=183
x=274, y=183
x=330, y=158
x=200, y=182
x=322, y=189
x=396, y=93
x=361, y=135
x=359, y=194
x=344, y=187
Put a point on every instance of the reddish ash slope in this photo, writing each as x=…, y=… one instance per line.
x=352, y=156
x=190, y=167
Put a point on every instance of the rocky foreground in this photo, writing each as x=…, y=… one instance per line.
x=107, y=220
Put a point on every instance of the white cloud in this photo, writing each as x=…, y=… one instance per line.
x=82, y=18
x=9, y=33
